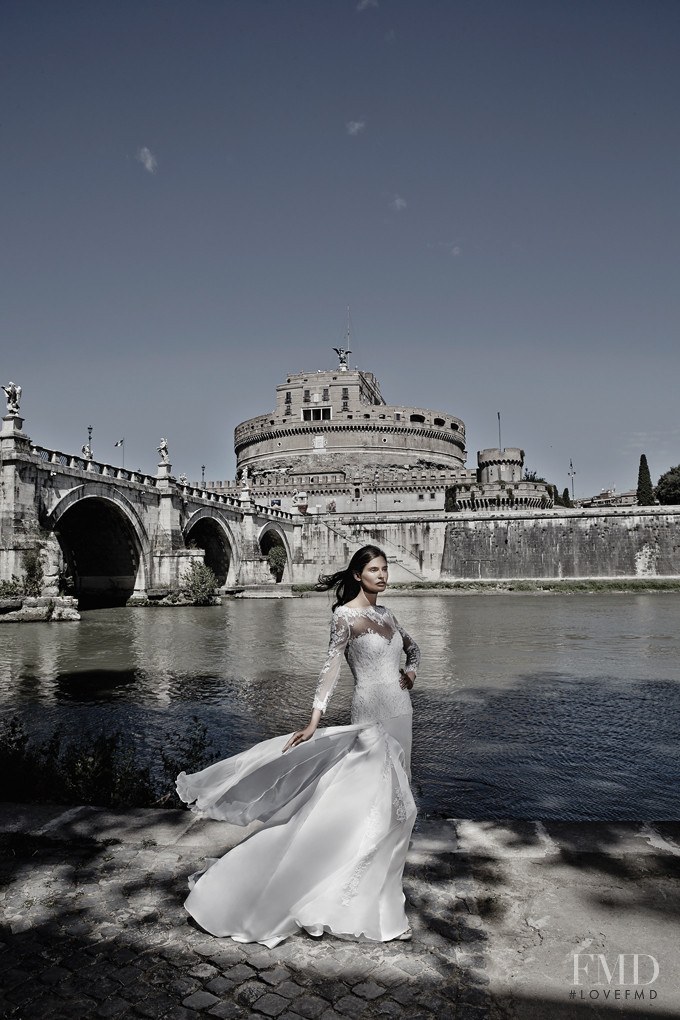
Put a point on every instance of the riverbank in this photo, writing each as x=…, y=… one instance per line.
x=93, y=925
x=39, y=609
x=628, y=585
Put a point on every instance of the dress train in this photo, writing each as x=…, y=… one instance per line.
x=338, y=814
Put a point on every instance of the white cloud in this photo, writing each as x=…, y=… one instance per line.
x=398, y=203
x=355, y=127
x=451, y=246
x=147, y=159
x=363, y=5
x=660, y=442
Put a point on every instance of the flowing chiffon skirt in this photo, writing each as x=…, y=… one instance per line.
x=338, y=813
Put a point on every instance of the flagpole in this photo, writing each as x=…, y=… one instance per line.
x=500, y=446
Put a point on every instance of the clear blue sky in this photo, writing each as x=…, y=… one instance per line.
x=192, y=192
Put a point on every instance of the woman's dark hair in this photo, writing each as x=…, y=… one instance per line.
x=345, y=583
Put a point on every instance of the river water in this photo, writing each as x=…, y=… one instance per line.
x=526, y=706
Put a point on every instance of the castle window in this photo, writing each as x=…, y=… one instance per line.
x=439, y=421
x=316, y=414
x=305, y=396
x=433, y=495
x=367, y=416
x=418, y=418
x=345, y=393
x=454, y=426
x=345, y=405
x=288, y=397
x=421, y=496
x=357, y=493
x=326, y=394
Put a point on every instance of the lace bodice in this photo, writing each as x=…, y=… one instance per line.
x=372, y=641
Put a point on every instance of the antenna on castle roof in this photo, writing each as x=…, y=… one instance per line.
x=344, y=352
x=349, y=324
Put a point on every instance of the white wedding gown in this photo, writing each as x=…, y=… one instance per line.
x=338, y=809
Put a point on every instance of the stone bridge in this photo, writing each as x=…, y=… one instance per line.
x=119, y=533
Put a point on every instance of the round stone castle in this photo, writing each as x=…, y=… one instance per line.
x=332, y=444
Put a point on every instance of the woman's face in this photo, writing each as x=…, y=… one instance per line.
x=373, y=578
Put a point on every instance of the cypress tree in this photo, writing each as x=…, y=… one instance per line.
x=645, y=492
x=565, y=498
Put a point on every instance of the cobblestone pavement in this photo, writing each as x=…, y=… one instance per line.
x=92, y=923
x=97, y=929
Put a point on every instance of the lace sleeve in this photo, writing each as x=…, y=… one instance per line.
x=328, y=677
x=410, y=647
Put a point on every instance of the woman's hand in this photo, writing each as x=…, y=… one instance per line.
x=406, y=680
x=300, y=737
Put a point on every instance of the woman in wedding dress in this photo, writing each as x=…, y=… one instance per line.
x=336, y=801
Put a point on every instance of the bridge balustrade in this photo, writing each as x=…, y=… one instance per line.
x=96, y=467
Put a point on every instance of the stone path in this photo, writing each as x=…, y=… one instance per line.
x=93, y=924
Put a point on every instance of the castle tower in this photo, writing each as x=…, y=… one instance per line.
x=337, y=420
x=333, y=436
x=500, y=465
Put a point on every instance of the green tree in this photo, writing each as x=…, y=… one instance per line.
x=277, y=561
x=199, y=583
x=556, y=498
x=645, y=492
x=33, y=572
x=566, y=501
x=667, y=490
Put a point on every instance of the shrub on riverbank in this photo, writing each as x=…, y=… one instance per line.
x=104, y=769
x=602, y=584
x=199, y=584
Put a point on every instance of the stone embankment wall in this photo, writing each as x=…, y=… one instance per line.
x=631, y=542
x=635, y=542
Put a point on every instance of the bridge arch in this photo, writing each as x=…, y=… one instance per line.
x=212, y=532
x=271, y=536
x=104, y=544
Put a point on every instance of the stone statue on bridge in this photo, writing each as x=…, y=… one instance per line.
x=163, y=450
x=87, y=452
x=183, y=480
x=13, y=393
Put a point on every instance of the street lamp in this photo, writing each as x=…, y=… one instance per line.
x=571, y=472
x=87, y=449
x=203, y=475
